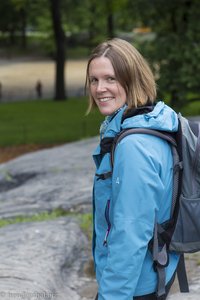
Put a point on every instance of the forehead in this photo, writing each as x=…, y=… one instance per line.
x=101, y=65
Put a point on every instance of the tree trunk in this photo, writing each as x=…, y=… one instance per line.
x=110, y=26
x=12, y=40
x=110, y=21
x=60, y=41
x=23, y=27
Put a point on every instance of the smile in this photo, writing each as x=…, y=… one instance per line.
x=105, y=99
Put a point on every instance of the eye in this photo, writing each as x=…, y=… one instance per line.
x=111, y=79
x=93, y=80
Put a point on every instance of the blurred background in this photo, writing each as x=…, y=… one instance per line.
x=44, y=46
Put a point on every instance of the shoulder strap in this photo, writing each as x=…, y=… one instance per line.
x=164, y=135
x=160, y=257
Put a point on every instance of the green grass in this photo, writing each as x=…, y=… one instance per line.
x=192, y=109
x=46, y=122
x=85, y=220
x=44, y=216
x=187, y=109
x=86, y=224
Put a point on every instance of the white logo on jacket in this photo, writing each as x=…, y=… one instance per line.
x=117, y=180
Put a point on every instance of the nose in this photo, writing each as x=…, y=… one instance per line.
x=101, y=86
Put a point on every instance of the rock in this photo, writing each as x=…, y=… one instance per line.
x=52, y=257
x=59, y=177
x=43, y=260
x=193, y=271
x=49, y=259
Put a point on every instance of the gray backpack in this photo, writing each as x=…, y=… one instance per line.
x=182, y=232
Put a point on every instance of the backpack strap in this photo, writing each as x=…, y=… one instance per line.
x=164, y=135
x=182, y=275
x=160, y=261
x=161, y=256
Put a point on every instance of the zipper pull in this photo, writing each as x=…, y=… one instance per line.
x=106, y=237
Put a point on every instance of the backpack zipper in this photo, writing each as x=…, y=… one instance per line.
x=107, y=210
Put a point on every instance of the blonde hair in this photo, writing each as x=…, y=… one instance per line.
x=131, y=70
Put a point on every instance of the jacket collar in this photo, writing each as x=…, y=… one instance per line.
x=114, y=123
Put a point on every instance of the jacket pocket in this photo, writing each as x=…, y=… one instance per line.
x=107, y=217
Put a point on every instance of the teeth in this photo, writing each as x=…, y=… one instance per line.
x=104, y=99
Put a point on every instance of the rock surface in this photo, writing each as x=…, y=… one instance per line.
x=51, y=259
x=193, y=272
x=42, y=260
x=46, y=260
x=59, y=177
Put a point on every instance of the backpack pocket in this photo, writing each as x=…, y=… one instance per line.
x=186, y=236
x=107, y=217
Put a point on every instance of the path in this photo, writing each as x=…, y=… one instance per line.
x=19, y=76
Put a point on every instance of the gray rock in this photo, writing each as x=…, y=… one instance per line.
x=46, y=260
x=43, y=260
x=49, y=260
x=193, y=271
x=47, y=179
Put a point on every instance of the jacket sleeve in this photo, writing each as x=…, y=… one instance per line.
x=137, y=190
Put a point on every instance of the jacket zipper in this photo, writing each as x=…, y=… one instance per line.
x=107, y=210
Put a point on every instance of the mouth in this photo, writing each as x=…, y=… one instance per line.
x=105, y=99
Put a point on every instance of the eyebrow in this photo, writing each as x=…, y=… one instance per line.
x=105, y=75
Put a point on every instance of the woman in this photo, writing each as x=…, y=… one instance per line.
x=139, y=190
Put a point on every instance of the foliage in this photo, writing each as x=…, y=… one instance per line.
x=46, y=122
x=175, y=52
x=20, y=17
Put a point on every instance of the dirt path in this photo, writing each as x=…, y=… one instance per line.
x=19, y=76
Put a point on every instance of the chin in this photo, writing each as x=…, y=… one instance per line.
x=106, y=112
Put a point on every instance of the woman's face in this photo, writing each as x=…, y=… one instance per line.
x=106, y=91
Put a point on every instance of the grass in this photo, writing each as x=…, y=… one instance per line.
x=86, y=224
x=188, y=108
x=192, y=109
x=49, y=122
x=85, y=220
x=46, y=122
x=44, y=216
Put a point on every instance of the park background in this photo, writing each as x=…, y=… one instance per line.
x=49, y=41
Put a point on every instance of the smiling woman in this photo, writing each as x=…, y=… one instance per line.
x=105, y=89
x=130, y=197
x=119, y=62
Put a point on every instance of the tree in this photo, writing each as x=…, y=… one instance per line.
x=11, y=20
x=176, y=49
x=22, y=7
x=60, y=41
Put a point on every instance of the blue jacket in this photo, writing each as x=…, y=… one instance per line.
x=127, y=204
